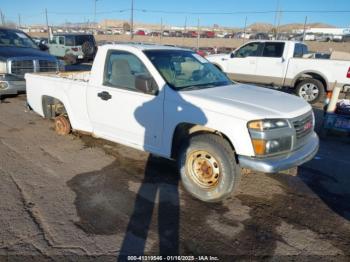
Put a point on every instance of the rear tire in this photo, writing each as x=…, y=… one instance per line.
x=208, y=167
x=62, y=125
x=70, y=59
x=311, y=90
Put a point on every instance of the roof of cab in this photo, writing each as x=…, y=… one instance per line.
x=143, y=46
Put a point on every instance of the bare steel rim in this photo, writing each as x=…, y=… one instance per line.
x=309, y=91
x=203, y=169
x=62, y=125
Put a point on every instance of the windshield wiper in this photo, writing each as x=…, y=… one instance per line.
x=205, y=85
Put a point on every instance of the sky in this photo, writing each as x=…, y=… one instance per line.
x=175, y=12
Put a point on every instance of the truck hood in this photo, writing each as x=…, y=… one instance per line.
x=10, y=52
x=247, y=102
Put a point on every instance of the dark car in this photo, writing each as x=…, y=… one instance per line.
x=19, y=54
x=346, y=38
x=190, y=34
x=208, y=34
x=259, y=36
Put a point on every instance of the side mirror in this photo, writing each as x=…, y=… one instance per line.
x=232, y=55
x=146, y=84
x=43, y=47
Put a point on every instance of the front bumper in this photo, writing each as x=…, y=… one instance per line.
x=14, y=87
x=283, y=162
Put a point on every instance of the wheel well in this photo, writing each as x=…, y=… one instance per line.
x=52, y=107
x=185, y=130
x=314, y=76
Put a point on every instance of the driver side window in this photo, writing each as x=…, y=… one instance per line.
x=121, y=70
x=252, y=49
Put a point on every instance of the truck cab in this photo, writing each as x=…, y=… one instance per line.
x=284, y=64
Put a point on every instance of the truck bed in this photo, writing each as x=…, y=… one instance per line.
x=82, y=76
x=68, y=87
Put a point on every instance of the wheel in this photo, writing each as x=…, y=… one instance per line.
x=62, y=125
x=208, y=167
x=88, y=49
x=70, y=59
x=312, y=90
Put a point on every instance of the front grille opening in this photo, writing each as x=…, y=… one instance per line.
x=301, y=126
x=47, y=66
x=21, y=67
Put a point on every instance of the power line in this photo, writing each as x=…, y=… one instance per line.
x=194, y=13
x=241, y=12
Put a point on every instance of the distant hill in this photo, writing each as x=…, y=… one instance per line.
x=265, y=27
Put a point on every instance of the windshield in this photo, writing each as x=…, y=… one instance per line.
x=184, y=70
x=15, y=38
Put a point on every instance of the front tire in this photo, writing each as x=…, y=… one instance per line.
x=311, y=90
x=208, y=167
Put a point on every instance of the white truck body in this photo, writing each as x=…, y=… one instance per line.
x=283, y=65
x=149, y=122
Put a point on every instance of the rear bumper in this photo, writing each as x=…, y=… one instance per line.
x=279, y=163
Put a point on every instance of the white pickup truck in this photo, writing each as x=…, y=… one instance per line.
x=284, y=64
x=173, y=103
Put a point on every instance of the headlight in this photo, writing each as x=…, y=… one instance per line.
x=3, y=67
x=270, y=136
x=267, y=124
x=272, y=146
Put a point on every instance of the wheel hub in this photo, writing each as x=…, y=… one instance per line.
x=309, y=92
x=203, y=169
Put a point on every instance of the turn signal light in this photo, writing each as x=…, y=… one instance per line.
x=259, y=146
x=348, y=74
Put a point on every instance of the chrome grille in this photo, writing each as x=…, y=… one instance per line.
x=20, y=67
x=300, y=124
x=47, y=66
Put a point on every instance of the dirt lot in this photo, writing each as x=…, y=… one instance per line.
x=76, y=197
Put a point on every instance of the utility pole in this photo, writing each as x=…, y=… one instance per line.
x=279, y=23
x=276, y=18
x=198, y=34
x=184, y=32
x=19, y=20
x=245, y=29
x=2, y=18
x=304, y=32
x=161, y=29
x=95, y=1
x=47, y=24
x=132, y=19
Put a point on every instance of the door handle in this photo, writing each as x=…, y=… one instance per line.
x=104, y=95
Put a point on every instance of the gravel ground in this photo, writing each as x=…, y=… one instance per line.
x=80, y=198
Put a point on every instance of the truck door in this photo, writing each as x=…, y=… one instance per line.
x=242, y=64
x=121, y=113
x=60, y=47
x=271, y=65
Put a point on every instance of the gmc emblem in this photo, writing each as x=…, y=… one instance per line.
x=307, y=125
